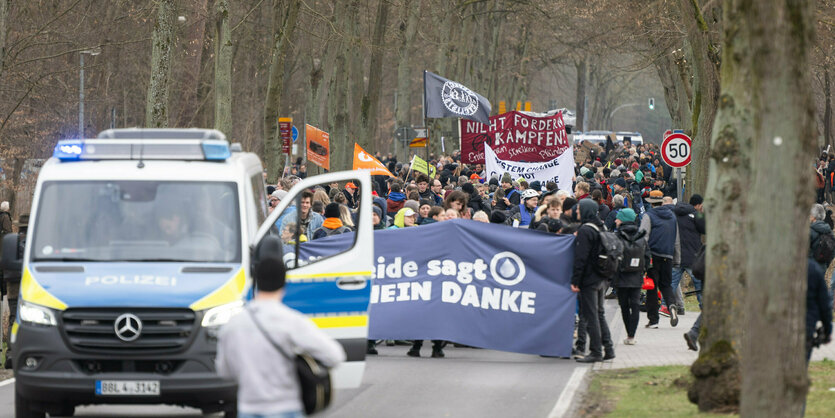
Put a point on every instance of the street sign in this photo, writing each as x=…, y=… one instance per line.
x=667, y=133
x=295, y=135
x=420, y=133
x=285, y=132
x=675, y=150
x=419, y=143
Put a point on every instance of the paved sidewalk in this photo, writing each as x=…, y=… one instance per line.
x=662, y=346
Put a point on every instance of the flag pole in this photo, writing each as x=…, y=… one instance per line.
x=426, y=126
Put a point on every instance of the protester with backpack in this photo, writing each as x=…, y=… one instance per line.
x=633, y=265
x=590, y=283
x=821, y=240
x=333, y=224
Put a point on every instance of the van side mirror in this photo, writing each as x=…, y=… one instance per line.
x=9, y=260
x=267, y=255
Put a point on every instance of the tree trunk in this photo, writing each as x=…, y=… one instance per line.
x=580, y=102
x=408, y=29
x=717, y=370
x=371, y=101
x=223, y=68
x=192, y=63
x=313, y=108
x=4, y=31
x=827, y=113
x=156, y=109
x=705, y=90
x=784, y=135
x=284, y=24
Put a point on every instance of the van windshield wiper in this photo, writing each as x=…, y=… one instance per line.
x=70, y=259
x=174, y=260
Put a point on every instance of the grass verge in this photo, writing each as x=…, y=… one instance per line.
x=662, y=391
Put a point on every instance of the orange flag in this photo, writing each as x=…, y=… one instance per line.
x=364, y=161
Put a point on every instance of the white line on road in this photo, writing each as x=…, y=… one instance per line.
x=6, y=382
x=567, y=395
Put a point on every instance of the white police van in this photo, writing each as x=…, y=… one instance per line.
x=139, y=249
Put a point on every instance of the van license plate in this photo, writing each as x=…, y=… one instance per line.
x=127, y=387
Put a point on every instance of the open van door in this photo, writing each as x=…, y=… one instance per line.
x=333, y=289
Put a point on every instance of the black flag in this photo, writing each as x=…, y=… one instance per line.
x=447, y=99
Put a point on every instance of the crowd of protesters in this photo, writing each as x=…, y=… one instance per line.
x=617, y=187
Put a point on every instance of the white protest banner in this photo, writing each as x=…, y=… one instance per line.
x=559, y=170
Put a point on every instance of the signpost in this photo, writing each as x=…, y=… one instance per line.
x=285, y=131
x=675, y=150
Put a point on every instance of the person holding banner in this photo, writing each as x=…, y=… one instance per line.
x=589, y=283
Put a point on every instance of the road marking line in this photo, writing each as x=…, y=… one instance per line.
x=564, y=402
x=6, y=382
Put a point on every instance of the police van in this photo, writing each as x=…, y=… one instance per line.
x=139, y=249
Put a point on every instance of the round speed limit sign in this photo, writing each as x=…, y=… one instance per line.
x=675, y=150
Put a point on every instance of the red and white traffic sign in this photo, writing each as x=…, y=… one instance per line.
x=675, y=150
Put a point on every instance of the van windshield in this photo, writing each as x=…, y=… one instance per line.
x=137, y=221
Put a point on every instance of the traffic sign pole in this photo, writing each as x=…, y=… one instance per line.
x=678, y=186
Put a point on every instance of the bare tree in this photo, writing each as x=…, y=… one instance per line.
x=284, y=24
x=223, y=67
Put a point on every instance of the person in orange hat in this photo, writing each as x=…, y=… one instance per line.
x=475, y=178
x=350, y=193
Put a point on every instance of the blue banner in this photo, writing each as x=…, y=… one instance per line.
x=484, y=285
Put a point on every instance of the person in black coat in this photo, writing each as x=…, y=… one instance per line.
x=691, y=227
x=630, y=279
x=818, y=307
x=588, y=282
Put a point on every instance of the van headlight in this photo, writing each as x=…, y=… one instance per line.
x=220, y=315
x=36, y=314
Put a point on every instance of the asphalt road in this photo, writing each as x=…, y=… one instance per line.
x=468, y=382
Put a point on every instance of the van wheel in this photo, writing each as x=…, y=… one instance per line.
x=23, y=408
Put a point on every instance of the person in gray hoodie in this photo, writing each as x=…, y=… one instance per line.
x=661, y=228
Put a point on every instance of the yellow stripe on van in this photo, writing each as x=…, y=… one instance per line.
x=340, y=321
x=325, y=275
x=14, y=328
x=32, y=291
x=229, y=292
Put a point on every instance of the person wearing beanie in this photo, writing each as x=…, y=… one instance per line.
x=332, y=224
x=498, y=217
x=511, y=195
x=568, y=204
x=536, y=185
x=414, y=205
x=377, y=217
x=630, y=275
x=590, y=284
x=474, y=201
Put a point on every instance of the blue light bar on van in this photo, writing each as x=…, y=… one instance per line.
x=142, y=149
x=216, y=150
x=68, y=150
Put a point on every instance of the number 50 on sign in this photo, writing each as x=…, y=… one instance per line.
x=675, y=150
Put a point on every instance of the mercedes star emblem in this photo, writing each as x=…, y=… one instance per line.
x=127, y=327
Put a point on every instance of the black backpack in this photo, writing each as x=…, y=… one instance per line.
x=823, y=249
x=611, y=253
x=633, y=254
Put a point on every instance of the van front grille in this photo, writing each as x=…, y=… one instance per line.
x=162, y=330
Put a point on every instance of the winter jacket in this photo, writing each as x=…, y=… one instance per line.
x=603, y=213
x=818, y=302
x=610, y=218
x=629, y=232
x=662, y=233
x=395, y=202
x=587, y=247
x=476, y=203
x=818, y=228
x=522, y=213
x=691, y=227
x=352, y=204
x=313, y=224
